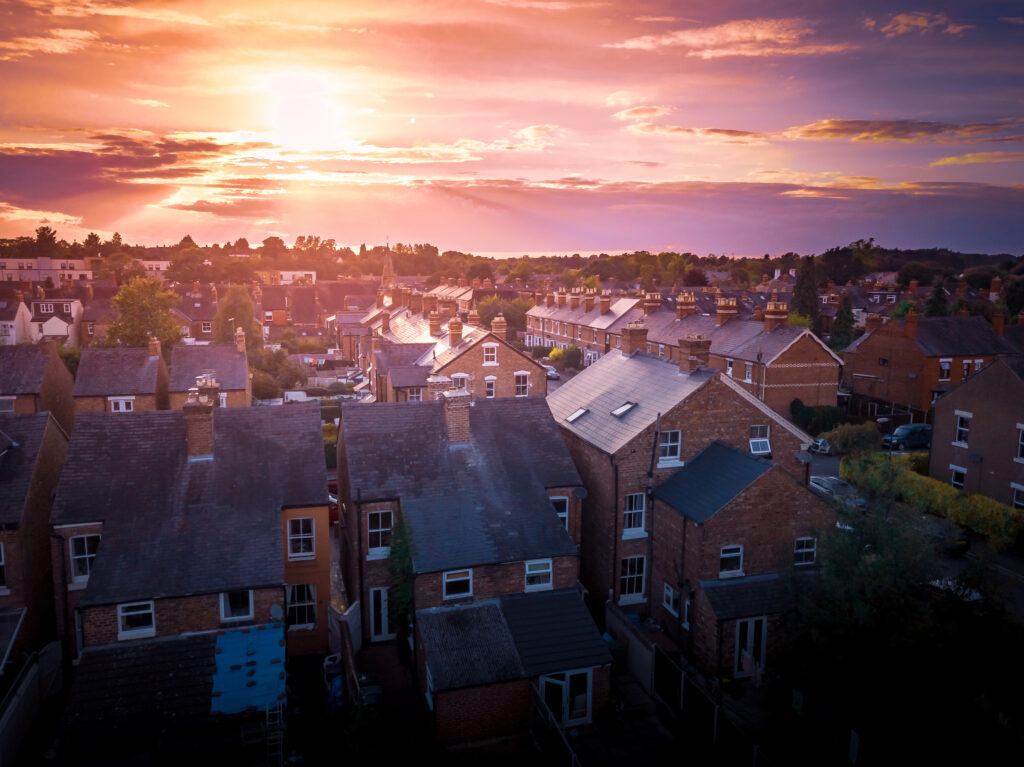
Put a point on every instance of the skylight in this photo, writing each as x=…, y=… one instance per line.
x=624, y=408
x=577, y=414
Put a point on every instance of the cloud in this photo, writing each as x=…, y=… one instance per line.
x=728, y=135
x=743, y=37
x=86, y=8
x=12, y=213
x=237, y=207
x=150, y=103
x=897, y=130
x=980, y=158
x=643, y=112
x=623, y=99
x=921, y=22
x=59, y=42
x=544, y=5
x=1015, y=20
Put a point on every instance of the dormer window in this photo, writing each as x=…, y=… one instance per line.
x=46, y=308
x=624, y=408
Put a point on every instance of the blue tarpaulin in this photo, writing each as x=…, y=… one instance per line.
x=250, y=670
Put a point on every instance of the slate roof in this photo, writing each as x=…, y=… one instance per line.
x=21, y=439
x=166, y=518
x=58, y=312
x=10, y=626
x=1016, y=364
x=206, y=310
x=748, y=596
x=22, y=368
x=9, y=308
x=553, y=631
x=468, y=645
x=1013, y=335
x=99, y=310
x=409, y=375
x=579, y=315
x=956, y=336
x=229, y=366
x=302, y=303
x=710, y=481
x=469, y=504
x=116, y=371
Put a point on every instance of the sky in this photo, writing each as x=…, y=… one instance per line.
x=517, y=126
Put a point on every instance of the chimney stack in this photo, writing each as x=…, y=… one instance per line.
x=549, y=299
x=476, y=283
x=634, y=338
x=456, y=404
x=605, y=303
x=473, y=318
x=154, y=346
x=910, y=329
x=380, y=298
x=198, y=426
x=436, y=385
x=561, y=299
x=776, y=314
x=574, y=301
x=588, y=302
x=454, y=332
x=686, y=304
x=240, y=340
x=652, y=302
x=434, y=319
x=694, y=353
x=998, y=322
x=872, y=322
x=725, y=310
x=385, y=322
x=500, y=327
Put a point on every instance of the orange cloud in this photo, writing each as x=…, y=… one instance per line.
x=643, y=112
x=725, y=134
x=921, y=22
x=896, y=130
x=59, y=41
x=980, y=158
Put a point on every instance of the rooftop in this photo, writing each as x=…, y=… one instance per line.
x=21, y=439
x=116, y=371
x=710, y=481
x=229, y=366
x=22, y=368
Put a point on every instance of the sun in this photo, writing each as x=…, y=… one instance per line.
x=303, y=110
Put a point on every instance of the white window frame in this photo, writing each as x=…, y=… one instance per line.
x=46, y=308
x=675, y=444
x=464, y=575
x=728, y=367
x=945, y=366
x=577, y=414
x=300, y=536
x=670, y=599
x=684, y=619
x=538, y=567
x=562, y=515
x=490, y=355
x=309, y=604
x=1017, y=495
x=978, y=364
x=966, y=369
x=963, y=428
x=802, y=551
x=525, y=374
x=748, y=372
x=733, y=549
x=461, y=380
x=137, y=633
x=953, y=471
x=415, y=394
x=490, y=387
x=633, y=597
x=225, y=604
x=207, y=327
x=222, y=399
x=561, y=680
x=121, y=404
x=1020, y=444
x=87, y=558
x=379, y=552
x=637, y=512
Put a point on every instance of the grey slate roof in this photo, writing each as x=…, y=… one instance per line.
x=167, y=520
x=957, y=336
x=409, y=375
x=482, y=502
x=655, y=385
x=21, y=439
x=116, y=371
x=553, y=631
x=9, y=308
x=468, y=646
x=228, y=365
x=747, y=597
x=1013, y=335
x=22, y=368
x=579, y=315
x=710, y=481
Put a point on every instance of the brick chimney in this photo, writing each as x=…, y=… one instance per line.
x=436, y=385
x=574, y=301
x=380, y=298
x=652, y=302
x=154, y=346
x=725, y=310
x=686, y=304
x=476, y=283
x=994, y=289
x=454, y=332
x=416, y=302
x=694, y=353
x=634, y=338
x=549, y=299
x=910, y=328
x=605, y=303
x=434, y=319
x=500, y=327
x=776, y=314
x=473, y=318
x=240, y=340
x=462, y=283
x=429, y=304
x=588, y=302
x=998, y=322
x=385, y=322
x=561, y=299
x=198, y=412
x=456, y=403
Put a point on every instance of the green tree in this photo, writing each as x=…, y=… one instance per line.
x=695, y=278
x=842, y=326
x=805, y=292
x=92, y=244
x=236, y=310
x=938, y=304
x=121, y=267
x=188, y=266
x=46, y=242
x=264, y=386
x=1013, y=294
x=144, y=310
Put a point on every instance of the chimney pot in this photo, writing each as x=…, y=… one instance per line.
x=499, y=327
x=725, y=310
x=686, y=304
x=605, y=302
x=240, y=340
x=776, y=313
x=454, y=332
x=473, y=318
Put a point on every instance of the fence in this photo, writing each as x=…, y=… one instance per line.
x=38, y=679
x=547, y=733
x=639, y=649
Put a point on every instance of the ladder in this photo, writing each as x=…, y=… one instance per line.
x=274, y=734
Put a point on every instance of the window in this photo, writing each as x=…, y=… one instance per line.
x=728, y=367
x=624, y=408
x=963, y=428
x=561, y=504
x=730, y=562
x=567, y=695
x=83, y=552
x=633, y=518
x=1020, y=439
x=978, y=365
x=967, y=369
x=575, y=415
x=522, y=383
x=121, y=404
x=957, y=476
x=6, y=404
x=631, y=580
x=538, y=575
x=457, y=584
x=301, y=538
x=1017, y=495
x=661, y=351
x=670, y=600
x=416, y=394
x=236, y=606
x=891, y=299
x=669, y=444
x=379, y=525
x=618, y=342
x=760, y=443
x=490, y=354
x=136, y=620
x=222, y=399
x=46, y=308
x=804, y=550
x=66, y=308
x=944, y=367
x=91, y=328
x=490, y=384
x=301, y=600
x=460, y=380
x=748, y=372
x=883, y=362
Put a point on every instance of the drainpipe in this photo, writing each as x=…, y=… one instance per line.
x=615, y=526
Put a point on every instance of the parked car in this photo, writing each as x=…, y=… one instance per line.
x=909, y=435
x=821, y=447
x=551, y=372
x=836, y=489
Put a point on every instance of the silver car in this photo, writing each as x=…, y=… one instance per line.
x=836, y=489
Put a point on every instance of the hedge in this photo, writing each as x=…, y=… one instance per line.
x=1000, y=523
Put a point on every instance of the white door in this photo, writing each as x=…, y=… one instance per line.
x=568, y=696
x=751, y=642
x=380, y=625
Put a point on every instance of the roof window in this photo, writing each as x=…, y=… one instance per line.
x=624, y=408
x=577, y=414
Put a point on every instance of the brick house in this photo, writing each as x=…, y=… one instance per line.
x=202, y=519
x=56, y=319
x=631, y=420
x=903, y=366
x=34, y=379
x=583, y=320
x=978, y=433
x=228, y=364
x=15, y=317
x=97, y=317
x=196, y=310
x=725, y=529
x=121, y=380
x=32, y=450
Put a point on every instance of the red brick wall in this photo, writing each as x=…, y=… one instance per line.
x=143, y=402
x=56, y=393
x=491, y=581
x=509, y=360
x=482, y=713
x=316, y=571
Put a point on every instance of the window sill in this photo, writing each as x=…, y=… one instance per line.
x=4, y=591
x=675, y=463
x=632, y=599
x=685, y=625
x=456, y=597
x=531, y=589
x=670, y=611
x=77, y=585
x=490, y=364
x=125, y=636
x=375, y=554
x=633, y=534
x=240, y=619
x=726, y=576
x=301, y=557
x=1018, y=460
x=958, y=444
x=302, y=627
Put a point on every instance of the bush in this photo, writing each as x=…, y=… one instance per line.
x=815, y=420
x=264, y=386
x=849, y=438
x=540, y=351
x=316, y=391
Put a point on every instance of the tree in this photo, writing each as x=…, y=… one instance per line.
x=46, y=242
x=121, y=267
x=264, y=386
x=805, y=292
x=1013, y=294
x=236, y=310
x=188, y=266
x=938, y=305
x=273, y=246
x=842, y=326
x=92, y=244
x=144, y=310
x=481, y=271
x=694, y=278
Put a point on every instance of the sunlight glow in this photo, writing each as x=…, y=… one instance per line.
x=303, y=112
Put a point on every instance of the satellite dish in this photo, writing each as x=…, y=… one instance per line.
x=276, y=612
